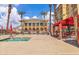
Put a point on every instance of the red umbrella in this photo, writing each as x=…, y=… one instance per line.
x=70, y=21
x=11, y=28
x=63, y=22
x=77, y=16
x=64, y=27
x=1, y=28
x=57, y=23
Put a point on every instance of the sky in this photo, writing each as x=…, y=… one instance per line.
x=31, y=11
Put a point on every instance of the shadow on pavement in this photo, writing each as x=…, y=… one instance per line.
x=72, y=42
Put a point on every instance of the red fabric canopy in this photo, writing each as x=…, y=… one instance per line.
x=68, y=21
x=11, y=29
x=56, y=24
x=77, y=16
x=64, y=27
x=63, y=22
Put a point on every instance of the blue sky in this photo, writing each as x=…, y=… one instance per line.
x=33, y=9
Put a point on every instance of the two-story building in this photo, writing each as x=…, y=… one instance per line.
x=34, y=26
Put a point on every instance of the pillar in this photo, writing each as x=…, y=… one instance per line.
x=76, y=29
x=60, y=31
x=52, y=30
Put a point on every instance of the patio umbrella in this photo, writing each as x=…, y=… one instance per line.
x=11, y=29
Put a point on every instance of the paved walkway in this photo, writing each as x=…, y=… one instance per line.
x=39, y=44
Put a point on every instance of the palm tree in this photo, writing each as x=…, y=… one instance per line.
x=9, y=11
x=21, y=13
x=55, y=11
x=50, y=6
x=44, y=14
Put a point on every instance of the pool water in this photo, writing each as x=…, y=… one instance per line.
x=14, y=39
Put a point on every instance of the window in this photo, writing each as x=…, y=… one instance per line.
x=37, y=24
x=29, y=28
x=45, y=24
x=41, y=29
x=37, y=28
x=34, y=29
x=45, y=29
x=33, y=24
x=25, y=24
x=29, y=24
x=41, y=24
x=25, y=28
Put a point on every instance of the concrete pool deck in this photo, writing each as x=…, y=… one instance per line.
x=37, y=45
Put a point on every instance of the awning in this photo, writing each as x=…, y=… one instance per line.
x=77, y=16
x=70, y=21
x=65, y=22
x=64, y=27
x=56, y=24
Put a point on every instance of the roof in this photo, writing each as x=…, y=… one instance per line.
x=32, y=20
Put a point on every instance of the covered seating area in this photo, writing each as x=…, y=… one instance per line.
x=64, y=28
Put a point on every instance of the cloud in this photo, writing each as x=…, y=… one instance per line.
x=52, y=17
x=3, y=5
x=14, y=16
x=16, y=5
x=35, y=17
x=26, y=17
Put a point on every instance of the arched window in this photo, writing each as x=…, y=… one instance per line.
x=33, y=24
x=34, y=29
x=41, y=29
x=37, y=24
x=45, y=24
x=29, y=24
x=29, y=28
x=25, y=28
x=25, y=24
x=41, y=24
x=37, y=28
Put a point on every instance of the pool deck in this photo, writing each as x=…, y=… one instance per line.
x=4, y=37
x=37, y=45
x=9, y=36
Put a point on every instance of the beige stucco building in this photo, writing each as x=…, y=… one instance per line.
x=35, y=25
x=64, y=11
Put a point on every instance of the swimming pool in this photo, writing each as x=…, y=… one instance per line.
x=15, y=39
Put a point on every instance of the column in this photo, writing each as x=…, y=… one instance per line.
x=76, y=30
x=60, y=29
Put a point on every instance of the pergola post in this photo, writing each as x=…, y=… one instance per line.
x=76, y=29
x=52, y=29
x=60, y=31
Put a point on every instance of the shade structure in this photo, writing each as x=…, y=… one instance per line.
x=56, y=24
x=64, y=27
x=63, y=22
x=78, y=16
x=70, y=21
x=78, y=19
x=11, y=28
x=67, y=21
